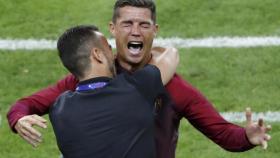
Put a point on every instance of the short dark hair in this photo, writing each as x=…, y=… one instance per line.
x=74, y=47
x=150, y=4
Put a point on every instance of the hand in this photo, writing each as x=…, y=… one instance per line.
x=167, y=60
x=157, y=50
x=24, y=127
x=257, y=131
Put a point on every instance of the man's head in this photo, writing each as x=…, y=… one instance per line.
x=149, y=4
x=134, y=28
x=84, y=50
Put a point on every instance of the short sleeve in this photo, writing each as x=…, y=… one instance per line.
x=148, y=81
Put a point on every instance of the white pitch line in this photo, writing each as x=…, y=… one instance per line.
x=27, y=44
x=240, y=116
x=209, y=42
x=212, y=42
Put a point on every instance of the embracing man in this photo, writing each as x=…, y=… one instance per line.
x=134, y=28
x=108, y=115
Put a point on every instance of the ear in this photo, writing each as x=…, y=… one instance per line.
x=112, y=28
x=98, y=55
x=156, y=27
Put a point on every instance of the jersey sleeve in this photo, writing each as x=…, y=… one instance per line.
x=39, y=102
x=148, y=82
x=192, y=105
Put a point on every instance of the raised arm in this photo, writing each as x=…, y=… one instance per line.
x=167, y=60
x=192, y=105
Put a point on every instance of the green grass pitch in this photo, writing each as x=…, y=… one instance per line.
x=231, y=78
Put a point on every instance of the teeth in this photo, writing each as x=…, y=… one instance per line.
x=135, y=47
x=134, y=51
x=135, y=42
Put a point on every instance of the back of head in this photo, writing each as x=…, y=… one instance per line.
x=74, y=47
x=149, y=4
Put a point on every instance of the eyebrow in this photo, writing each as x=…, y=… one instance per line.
x=127, y=21
x=145, y=22
x=131, y=21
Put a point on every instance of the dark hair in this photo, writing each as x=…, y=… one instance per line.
x=74, y=47
x=134, y=3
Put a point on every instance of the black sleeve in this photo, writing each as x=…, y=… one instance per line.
x=148, y=81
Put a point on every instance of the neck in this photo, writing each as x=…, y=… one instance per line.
x=96, y=74
x=129, y=67
x=133, y=67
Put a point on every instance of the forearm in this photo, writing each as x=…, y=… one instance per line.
x=39, y=102
x=207, y=120
x=191, y=104
x=17, y=111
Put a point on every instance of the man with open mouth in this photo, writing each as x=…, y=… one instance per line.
x=108, y=115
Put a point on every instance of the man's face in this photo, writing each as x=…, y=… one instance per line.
x=107, y=50
x=134, y=32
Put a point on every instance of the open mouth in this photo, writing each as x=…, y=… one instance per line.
x=135, y=47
